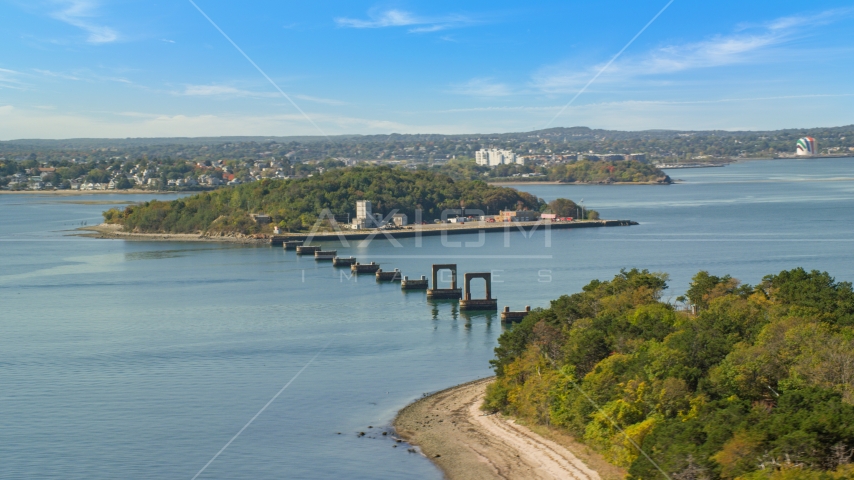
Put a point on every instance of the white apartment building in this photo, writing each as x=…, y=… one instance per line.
x=493, y=157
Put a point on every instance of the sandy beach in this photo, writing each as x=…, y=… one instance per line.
x=467, y=444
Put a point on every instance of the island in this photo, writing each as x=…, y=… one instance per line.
x=730, y=381
x=355, y=198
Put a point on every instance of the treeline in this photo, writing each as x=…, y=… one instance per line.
x=586, y=171
x=583, y=171
x=744, y=382
x=296, y=205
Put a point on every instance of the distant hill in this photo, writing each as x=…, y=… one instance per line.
x=659, y=145
x=557, y=132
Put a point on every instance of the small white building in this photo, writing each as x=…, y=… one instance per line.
x=400, y=219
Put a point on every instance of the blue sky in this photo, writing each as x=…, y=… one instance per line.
x=132, y=68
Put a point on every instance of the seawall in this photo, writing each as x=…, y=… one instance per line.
x=445, y=229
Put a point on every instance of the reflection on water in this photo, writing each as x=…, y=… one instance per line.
x=479, y=316
x=438, y=306
x=162, y=254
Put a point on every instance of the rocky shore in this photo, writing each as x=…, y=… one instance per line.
x=109, y=231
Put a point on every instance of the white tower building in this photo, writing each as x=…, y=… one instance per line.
x=494, y=157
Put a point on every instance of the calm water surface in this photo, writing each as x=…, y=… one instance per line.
x=141, y=360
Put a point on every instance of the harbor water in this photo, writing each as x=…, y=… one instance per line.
x=144, y=359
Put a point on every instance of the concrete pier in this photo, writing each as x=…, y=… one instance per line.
x=413, y=284
x=307, y=249
x=291, y=244
x=388, y=276
x=343, y=262
x=326, y=255
x=451, y=293
x=487, y=303
x=364, y=267
x=508, y=316
x=454, y=229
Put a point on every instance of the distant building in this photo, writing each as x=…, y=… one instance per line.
x=494, y=157
x=364, y=215
x=612, y=157
x=605, y=157
x=363, y=210
x=806, y=146
x=261, y=219
x=519, y=215
x=400, y=219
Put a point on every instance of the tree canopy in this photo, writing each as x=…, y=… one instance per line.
x=758, y=384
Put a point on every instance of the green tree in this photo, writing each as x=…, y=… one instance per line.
x=563, y=207
x=123, y=183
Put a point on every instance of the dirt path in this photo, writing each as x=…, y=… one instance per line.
x=453, y=432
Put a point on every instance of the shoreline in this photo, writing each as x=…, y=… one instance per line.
x=72, y=193
x=113, y=231
x=466, y=444
x=546, y=182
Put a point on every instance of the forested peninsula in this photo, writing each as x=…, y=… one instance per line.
x=582, y=171
x=749, y=382
x=295, y=205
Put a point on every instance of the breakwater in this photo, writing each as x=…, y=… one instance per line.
x=445, y=229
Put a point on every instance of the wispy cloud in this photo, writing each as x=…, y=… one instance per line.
x=221, y=91
x=400, y=18
x=748, y=43
x=482, y=87
x=64, y=76
x=500, y=109
x=81, y=75
x=33, y=123
x=325, y=101
x=10, y=79
x=80, y=13
x=9, y=75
